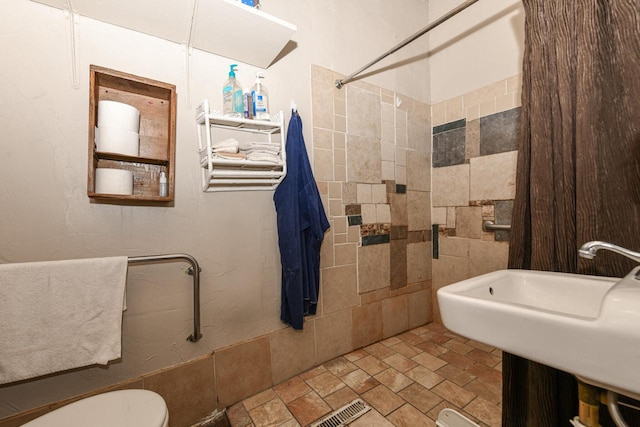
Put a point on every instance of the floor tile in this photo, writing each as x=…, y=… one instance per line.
x=400, y=362
x=393, y=379
x=292, y=389
x=453, y=393
x=371, y=365
x=407, y=380
x=273, y=412
x=325, y=384
x=308, y=408
x=408, y=416
x=420, y=397
x=359, y=381
x=382, y=399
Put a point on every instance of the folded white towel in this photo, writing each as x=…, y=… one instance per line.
x=263, y=157
x=226, y=143
x=244, y=145
x=59, y=315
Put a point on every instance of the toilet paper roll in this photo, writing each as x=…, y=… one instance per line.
x=111, y=139
x=114, y=181
x=118, y=114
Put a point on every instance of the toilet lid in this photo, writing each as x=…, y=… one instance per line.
x=122, y=408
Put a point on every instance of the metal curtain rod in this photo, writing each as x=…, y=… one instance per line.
x=194, y=271
x=341, y=82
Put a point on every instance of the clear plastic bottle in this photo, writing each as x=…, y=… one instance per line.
x=232, y=105
x=260, y=97
x=163, y=190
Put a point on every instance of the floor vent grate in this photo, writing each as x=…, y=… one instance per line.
x=344, y=415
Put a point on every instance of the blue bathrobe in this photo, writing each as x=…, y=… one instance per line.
x=301, y=226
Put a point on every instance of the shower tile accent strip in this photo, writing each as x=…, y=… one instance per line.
x=449, y=126
x=375, y=239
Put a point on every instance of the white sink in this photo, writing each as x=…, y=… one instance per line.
x=586, y=325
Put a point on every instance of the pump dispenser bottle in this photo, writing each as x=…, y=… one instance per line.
x=260, y=99
x=232, y=95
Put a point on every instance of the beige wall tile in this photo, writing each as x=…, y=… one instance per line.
x=387, y=95
x=401, y=156
x=469, y=222
x=363, y=159
x=323, y=187
x=322, y=138
x=451, y=217
x=353, y=234
x=418, y=171
x=369, y=213
x=446, y=270
x=335, y=207
x=388, y=171
x=340, y=159
x=485, y=257
x=454, y=109
x=339, y=123
x=401, y=119
x=399, y=215
x=388, y=133
x=401, y=175
x=388, y=151
x=419, y=308
x=339, y=140
x=419, y=127
x=439, y=216
x=439, y=113
x=472, y=139
x=454, y=246
x=379, y=193
x=401, y=138
x=514, y=84
x=493, y=177
x=487, y=108
x=364, y=193
x=383, y=213
x=395, y=315
x=333, y=335
x=418, y=210
x=367, y=324
x=339, y=239
x=189, y=389
x=473, y=112
x=339, y=107
x=349, y=193
x=323, y=164
x=326, y=250
x=346, y=254
x=363, y=112
x=340, y=172
x=517, y=98
x=292, y=351
x=243, y=370
x=339, y=288
x=450, y=186
x=339, y=225
x=321, y=104
x=373, y=267
x=387, y=111
x=486, y=93
x=419, y=262
x=505, y=103
x=335, y=190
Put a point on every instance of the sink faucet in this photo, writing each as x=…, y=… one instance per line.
x=589, y=249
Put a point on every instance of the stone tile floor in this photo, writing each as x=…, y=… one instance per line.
x=407, y=379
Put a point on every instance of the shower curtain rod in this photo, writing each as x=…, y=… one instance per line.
x=341, y=82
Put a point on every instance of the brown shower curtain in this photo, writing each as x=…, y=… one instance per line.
x=578, y=169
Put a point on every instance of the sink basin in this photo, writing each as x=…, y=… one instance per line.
x=585, y=325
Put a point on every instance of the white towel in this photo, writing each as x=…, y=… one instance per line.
x=59, y=315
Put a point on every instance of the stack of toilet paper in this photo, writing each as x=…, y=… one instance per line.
x=117, y=132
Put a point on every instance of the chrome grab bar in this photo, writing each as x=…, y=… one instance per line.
x=194, y=271
x=491, y=226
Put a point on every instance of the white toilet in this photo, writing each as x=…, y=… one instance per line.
x=122, y=408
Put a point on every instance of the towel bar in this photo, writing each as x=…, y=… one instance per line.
x=194, y=271
x=491, y=226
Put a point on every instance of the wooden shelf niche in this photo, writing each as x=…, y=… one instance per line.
x=156, y=102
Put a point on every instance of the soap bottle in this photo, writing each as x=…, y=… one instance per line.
x=260, y=98
x=232, y=95
x=163, y=191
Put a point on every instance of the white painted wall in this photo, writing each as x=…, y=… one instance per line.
x=477, y=47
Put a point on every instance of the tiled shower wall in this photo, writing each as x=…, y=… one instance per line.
x=372, y=164
x=475, y=141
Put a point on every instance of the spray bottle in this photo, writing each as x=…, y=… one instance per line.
x=232, y=95
x=260, y=98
